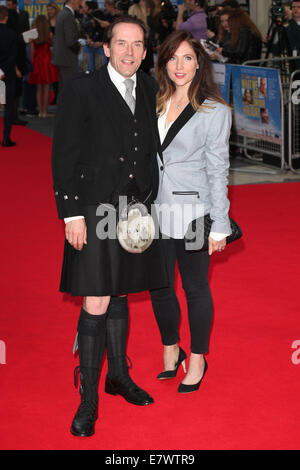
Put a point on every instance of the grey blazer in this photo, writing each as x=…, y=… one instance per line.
x=66, y=46
x=194, y=168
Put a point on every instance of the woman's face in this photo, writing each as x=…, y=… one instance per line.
x=247, y=96
x=51, y=11
x=181, y=68
x=224, y=22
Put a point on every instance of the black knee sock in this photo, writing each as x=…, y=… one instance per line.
x=91, y=343
x=116, y=336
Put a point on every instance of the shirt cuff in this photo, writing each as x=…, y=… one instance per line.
x=218, y=236
x=69, y=219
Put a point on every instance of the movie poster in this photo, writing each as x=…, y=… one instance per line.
x=37, y=7
x=222, y=75
x=256, y=100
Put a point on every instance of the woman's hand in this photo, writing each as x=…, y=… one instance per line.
x=213, y=245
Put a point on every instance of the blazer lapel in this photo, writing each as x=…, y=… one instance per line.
x=177, y=125
x=111, y=98
x=151, y=114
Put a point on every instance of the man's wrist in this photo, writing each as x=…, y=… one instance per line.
x=70, y=219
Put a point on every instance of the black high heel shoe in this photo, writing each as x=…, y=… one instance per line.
x=170, y=374
x=193, y=387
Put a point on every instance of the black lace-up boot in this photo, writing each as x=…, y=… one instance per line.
x=118, y=381
x=91, y=344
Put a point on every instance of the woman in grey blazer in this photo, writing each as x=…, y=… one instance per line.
x=194, y=125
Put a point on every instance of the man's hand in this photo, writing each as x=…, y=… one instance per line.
x=2, y=76
x=213, y=245
x=18, y=73
x=76, y=233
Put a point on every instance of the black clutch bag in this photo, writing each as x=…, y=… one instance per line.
x=196, y=237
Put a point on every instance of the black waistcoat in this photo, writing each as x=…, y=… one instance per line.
x=136, y=144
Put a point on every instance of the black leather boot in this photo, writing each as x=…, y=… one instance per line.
x=91, y=344
x=118, y=381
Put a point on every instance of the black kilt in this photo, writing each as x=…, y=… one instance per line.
x=103, y=267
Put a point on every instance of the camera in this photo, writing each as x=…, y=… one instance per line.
x=168, y=10
x=277, y=10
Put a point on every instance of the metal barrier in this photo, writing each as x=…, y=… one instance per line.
x=294, y=119
x=284, y=65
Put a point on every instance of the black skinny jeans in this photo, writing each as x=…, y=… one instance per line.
x=193, y=268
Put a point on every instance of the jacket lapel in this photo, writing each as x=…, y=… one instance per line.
x=177, y=125
x=111, y=98
x=141, y=87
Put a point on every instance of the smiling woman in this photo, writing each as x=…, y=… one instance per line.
x=194, y=126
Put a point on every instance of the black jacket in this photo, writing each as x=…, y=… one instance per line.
x=248, y=48
x=94, y=151
x=8, y=50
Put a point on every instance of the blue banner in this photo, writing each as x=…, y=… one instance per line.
x=222, y=75
x=37, y=7
x=256, y=100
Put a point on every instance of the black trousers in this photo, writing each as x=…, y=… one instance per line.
x=10, y=82
x=193, y=268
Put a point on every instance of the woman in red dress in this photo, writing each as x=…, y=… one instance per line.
x=44, y=72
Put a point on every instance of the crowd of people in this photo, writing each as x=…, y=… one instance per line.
x=78, y=43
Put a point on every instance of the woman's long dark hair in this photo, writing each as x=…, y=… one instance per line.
x=237, y=20
x=202, y=86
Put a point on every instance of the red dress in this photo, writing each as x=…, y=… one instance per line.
x=44, y=72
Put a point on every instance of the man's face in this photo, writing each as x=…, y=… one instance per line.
x=296, y=11
x=190, y=4
x=10, y=5
x=262, y=86
x=75, y=4
x=83, y=7
x=264, y=116
x=126, y=50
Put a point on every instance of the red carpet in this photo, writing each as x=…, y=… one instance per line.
x=249, y=398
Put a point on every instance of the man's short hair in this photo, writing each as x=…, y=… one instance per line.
x=200, y=3
x=108, y=33
x=14, y=2
x=3, y=12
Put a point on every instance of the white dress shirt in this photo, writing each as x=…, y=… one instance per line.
x=70, y=8
x=118, y=81
x=163, y=129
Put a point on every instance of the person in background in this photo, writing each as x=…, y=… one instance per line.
x=141, y=10
x=8, y=56
x=293, y=30
x=21, y=64
x=66, y=46
x=52, y=12
x=164, y=21
x=29, y=90
x=44, y=72
x=239, y=38
x=194, y=125
x=196, y=23
x=23, y=16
